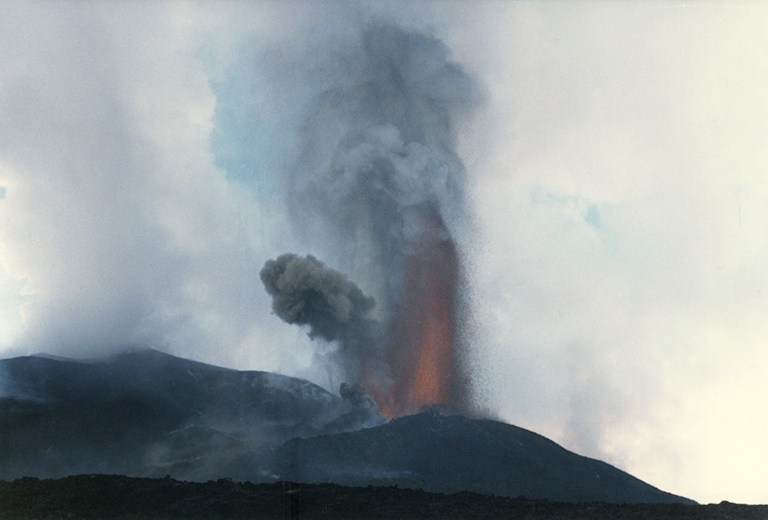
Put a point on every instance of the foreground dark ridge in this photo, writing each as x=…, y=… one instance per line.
x=451, y=453
x=118, y=497
x=148, y=414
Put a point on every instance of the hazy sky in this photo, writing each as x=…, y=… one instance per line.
x=617, y=171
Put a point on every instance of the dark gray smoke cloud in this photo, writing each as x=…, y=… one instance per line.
x=379, y=151
x=306, y=292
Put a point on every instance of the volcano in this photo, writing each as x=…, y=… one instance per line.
x=146, y=413
x=149, y=414
x=451, y=453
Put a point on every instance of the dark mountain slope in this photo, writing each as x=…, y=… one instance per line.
x=148, y=413
x=449, y=454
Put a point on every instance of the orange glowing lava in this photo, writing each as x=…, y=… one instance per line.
x=422, y=364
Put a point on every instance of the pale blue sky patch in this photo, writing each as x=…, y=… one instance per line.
x=576, y=223
x=240, y=139
x=254, y=138
x=574, y=207
x=593, y=216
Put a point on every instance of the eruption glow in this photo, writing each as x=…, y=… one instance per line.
x=423, y=361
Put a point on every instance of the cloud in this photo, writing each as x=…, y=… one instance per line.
x=114, y=213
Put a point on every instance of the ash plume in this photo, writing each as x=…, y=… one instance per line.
x=379, y=183
x=379, y=144
x=306, y=292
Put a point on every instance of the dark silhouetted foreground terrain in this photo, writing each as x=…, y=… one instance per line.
x=147, y=414
x=118, y=497
x=451, y=453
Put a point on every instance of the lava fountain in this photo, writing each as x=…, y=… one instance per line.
x=422, y=356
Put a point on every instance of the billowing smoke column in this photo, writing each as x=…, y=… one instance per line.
x=379, y=185
x=306, y=292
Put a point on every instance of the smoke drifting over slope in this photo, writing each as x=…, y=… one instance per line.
x=379, y=180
